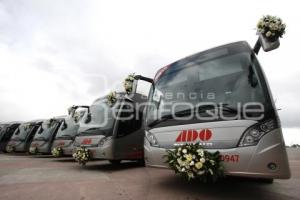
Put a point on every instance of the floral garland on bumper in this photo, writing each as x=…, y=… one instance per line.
x=271, y=27
x=191, y=161
x=57, y=152
x=82, y=155
x=33, y=150
x=9, y=148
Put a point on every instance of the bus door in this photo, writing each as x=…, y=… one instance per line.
x=129, y=135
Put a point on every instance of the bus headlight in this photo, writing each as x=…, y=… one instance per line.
x=253, y=134
x=152, y=139
x=104, y=140
x=76, y=144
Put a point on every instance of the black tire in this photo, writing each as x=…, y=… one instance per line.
x=115, y=162
x=267, y=180
x=141, y=162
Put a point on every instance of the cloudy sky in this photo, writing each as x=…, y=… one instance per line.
x=56, y=53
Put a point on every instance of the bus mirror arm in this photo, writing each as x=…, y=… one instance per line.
x=81, y=106
x=257, y=46
x=143, y=78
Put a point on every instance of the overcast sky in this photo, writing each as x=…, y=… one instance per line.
x=56, y=53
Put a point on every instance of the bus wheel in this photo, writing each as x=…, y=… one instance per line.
x=141, y=162
x=115, y=162
x=267, y=180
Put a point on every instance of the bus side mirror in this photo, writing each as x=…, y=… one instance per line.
x=41, y=129
x=88, y=118
x=266, y=44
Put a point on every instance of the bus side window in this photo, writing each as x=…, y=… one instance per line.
x=130, y=125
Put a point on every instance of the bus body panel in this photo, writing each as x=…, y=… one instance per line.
x=251, y=161
x=67, y=145
x=121, y=141
x=92, y=143
x=44, y=145
x=22, y=144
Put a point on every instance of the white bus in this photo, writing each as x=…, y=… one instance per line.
x=68, y=130
x=114, y=133
x=45, y=135
x=221, y=99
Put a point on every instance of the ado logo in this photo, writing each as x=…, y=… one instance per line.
x=192, y=135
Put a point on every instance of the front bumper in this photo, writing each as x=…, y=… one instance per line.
x=98, y=152
x=18, y=147
x=67, y=150
x=41, y=147
x=252, y=161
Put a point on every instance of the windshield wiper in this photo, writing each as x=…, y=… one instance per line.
x=162, y=119
x=41, y=139
x=65, y=136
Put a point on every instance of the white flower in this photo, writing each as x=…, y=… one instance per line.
x=201, y=172
x=192, y=163
x=183, y=169
x=189, y=157
x=190, y=175
x=198, y=165
x=184, y=151
x=179, y=161
x=202, y=160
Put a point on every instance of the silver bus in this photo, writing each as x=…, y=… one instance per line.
x=23, y=136
x=69, y=129
x=44, y=137
x=6, y=131
x=219, y=98
x=115, y=132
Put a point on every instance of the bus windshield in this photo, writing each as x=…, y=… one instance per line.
x=102, y=118
x=45, y=130
x=21, y=132
x=70, y=125
x=222, y=77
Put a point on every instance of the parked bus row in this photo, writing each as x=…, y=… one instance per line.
x=180, y=108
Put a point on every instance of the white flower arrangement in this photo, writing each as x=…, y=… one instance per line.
x=57, y=151
x=82, y=155
x=27, y=127
x=128, y=83
x=50, y=123
x=70, y=110
x=33, y=150
x=76, y=117
x=111, y=98
x=192, y=161
x=271, y=27
x=9, y=148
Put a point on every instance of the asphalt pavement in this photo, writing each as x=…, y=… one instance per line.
x=45, y=178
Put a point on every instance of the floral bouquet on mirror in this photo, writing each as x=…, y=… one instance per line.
x=191, y=161
x=111, y=98
x=128, y=83
x=57, y=151
x=271, y=27
x=82, y=155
